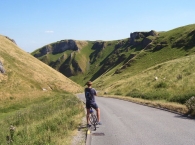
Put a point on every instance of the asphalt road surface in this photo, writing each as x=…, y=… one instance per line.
x=126, y=123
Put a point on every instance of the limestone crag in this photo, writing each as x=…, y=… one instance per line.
x=65, y=45
x=138, y=35
x=99, y=45
x=58, y=47
x=145, y=42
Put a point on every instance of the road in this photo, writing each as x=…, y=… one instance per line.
x=126, y=123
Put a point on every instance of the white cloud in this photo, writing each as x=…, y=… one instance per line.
x=49, y=31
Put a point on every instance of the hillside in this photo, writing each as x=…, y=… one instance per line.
x=163, y=70
x=36, y=100
x=78, y=60
x=115, y=65
x=26, y=75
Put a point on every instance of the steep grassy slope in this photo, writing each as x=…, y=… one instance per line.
x=163, y=70
x=171, y=81
x=26, y=74
x=35, y=99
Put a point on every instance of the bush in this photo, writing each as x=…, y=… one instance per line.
x=182, y=98
x=161, y=85
x=190, y=104
x=118, y=71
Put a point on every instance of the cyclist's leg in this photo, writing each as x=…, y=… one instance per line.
x=98, y=113
x=95, y=106
x=88, y=112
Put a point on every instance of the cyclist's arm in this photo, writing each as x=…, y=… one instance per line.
x=95, y=93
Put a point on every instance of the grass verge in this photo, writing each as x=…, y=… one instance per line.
x=49, y=120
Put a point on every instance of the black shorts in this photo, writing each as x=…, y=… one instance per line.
x=93, y=105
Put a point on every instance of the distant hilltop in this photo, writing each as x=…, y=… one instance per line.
x=61, y=46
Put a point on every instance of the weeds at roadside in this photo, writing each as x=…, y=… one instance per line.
x=44, y=122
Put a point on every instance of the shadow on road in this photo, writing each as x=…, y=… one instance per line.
x=82, y=127
x=185, y=117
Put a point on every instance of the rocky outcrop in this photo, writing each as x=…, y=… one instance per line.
x=60, y=47
x=99, y=45
x=149, y=46
x=139, y=35
x=2, y=70
x=45, y=50
x=65, y=45
x=145, y=42
x=12, y=40
x=119, y=44
x=70, y=67
x=160, y=46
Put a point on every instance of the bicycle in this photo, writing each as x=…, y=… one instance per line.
x=93, y=118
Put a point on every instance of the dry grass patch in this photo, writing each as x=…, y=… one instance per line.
x=26, y=74
x=81, y=44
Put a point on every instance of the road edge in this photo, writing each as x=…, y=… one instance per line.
x=88, y=139
x=179, y=111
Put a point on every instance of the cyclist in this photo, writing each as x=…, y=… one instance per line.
x=90, y=94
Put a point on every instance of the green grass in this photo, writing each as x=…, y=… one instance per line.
x=82, y=57
x=121, y=67
x=175, y=81
x=91, y=69
x=46, y=120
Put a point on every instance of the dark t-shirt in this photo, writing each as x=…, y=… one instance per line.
x=90, y=94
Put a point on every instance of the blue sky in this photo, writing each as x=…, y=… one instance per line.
x=35, y=23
